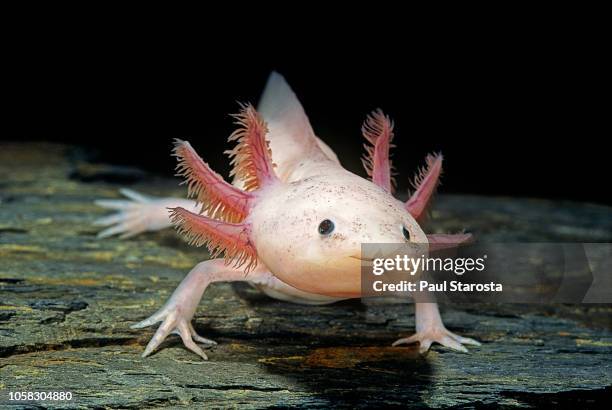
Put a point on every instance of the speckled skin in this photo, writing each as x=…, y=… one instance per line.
x=327, y=265
x=295, y=262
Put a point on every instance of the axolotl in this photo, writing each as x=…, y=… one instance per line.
x=293, y=220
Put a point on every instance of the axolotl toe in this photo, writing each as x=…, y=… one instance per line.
x=293, y=220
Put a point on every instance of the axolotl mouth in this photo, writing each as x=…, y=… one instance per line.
x=362, y=259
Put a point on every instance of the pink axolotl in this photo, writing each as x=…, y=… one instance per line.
x=293, y=221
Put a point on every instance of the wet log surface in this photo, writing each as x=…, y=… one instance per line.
x=67, y=300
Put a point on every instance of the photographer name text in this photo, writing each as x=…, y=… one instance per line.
x=417, y=265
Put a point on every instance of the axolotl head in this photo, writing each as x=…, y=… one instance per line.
x=309, y=233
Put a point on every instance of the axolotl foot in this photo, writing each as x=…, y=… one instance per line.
x=177, y=313
x=173, y=322
x=137, y=214
x=440, y=335
x=430, y=329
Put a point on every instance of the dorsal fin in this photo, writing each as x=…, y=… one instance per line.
x=280, y=108
x=289, y=126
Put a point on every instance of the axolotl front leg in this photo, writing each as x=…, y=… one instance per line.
x=178, y=311
x=430, y=329
x=219, y=223
x=378, y=132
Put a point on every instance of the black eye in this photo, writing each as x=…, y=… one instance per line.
x=326, y=227
x=406, y=233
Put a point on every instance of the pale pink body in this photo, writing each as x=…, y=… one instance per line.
x=294, y=262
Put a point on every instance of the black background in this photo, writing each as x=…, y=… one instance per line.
x=513, y=117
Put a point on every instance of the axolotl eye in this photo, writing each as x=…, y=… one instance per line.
x=406, y=233
x=326, y=227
